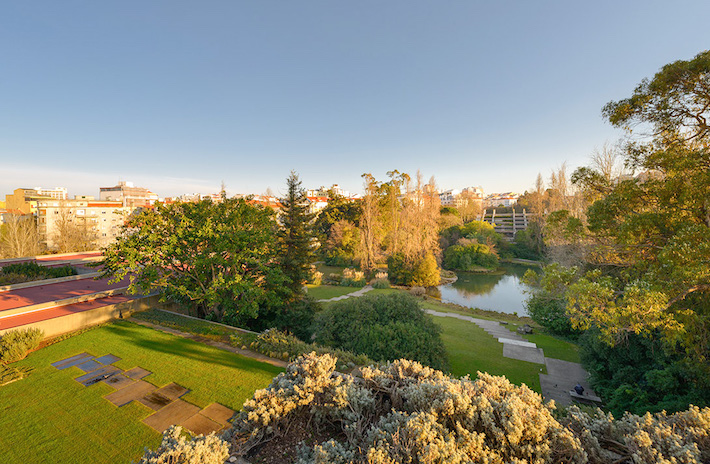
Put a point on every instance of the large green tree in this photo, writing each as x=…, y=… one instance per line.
x=219, y=257
x=296, y=236
x=654, y=230
x=644, y=283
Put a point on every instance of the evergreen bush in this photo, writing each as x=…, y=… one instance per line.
x=278, y=344
x=423, y=272
x=383, y=327
x=15, y=344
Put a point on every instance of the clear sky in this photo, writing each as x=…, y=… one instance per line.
x=178, y=96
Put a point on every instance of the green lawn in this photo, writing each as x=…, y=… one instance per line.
x=327, y=270
x=325, y=292
x=552, y=346
x=49, y=417
x=471, y=349
x=555, y=347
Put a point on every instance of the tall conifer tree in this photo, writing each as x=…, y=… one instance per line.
x=296, y=235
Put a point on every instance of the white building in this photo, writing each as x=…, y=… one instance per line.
x=58, y=193
x=459, y=198
x=501, y=199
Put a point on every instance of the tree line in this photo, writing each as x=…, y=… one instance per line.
x=630, y=247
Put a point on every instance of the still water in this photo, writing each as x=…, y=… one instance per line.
x=502, y=292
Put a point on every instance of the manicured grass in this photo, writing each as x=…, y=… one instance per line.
x=555, y=347
x=204, y=328
x=552, y=346
x=471, y=349
x=325, y=292
x=327, y=270
x=49, y=417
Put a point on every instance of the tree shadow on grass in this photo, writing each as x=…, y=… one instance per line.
x=174, y=345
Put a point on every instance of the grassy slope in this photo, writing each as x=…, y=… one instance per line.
x=552, y=346
x=324, y=292
x=49, y=417
x=471, y=349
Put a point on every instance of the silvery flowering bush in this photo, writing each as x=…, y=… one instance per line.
x=177, y=449
x=403, y=412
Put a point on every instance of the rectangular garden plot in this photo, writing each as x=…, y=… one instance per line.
x=72, y=361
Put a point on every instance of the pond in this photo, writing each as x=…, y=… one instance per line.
x=502, y=291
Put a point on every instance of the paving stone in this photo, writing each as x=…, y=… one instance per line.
x=510, y=341
x=524, y=353
x=97, y=375
x=175, y=413
x=118, y=381
x=108, y=359
x=73, y=361
x=137, y=373
x=201, y=425
x=89, y=366
x=130, y=392
x=172, y=391
x=218, y=413
x=155, y=400
x=561, y=377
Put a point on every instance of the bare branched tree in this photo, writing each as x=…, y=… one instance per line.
x=19, y=237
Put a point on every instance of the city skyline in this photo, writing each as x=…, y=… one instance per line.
x=180, y=97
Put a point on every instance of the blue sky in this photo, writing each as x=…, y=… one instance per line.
x=178, y=96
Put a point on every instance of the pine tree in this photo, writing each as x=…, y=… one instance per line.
x=296, y=236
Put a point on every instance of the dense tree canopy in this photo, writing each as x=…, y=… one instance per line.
x=220, y=257
x=655, y=227
x=643, y=248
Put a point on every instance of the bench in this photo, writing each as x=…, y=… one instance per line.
x=592, y=398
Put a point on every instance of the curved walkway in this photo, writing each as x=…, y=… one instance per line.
x=561, y=376
x=355, y=294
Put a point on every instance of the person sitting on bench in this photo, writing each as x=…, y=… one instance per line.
x=579, y=389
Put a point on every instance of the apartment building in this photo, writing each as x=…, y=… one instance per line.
x=102, y=219
x=24, y=200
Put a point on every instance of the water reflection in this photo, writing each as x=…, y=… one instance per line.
x=502, y=291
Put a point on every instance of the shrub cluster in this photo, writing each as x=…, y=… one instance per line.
x=423, y=272
x=11, y=373
x=469, y=255
x=380, y=283
x=15, y=344
x=277, y=344
x=177, y=449
x=383, y=327
x=30, y=271
x=405, y=412
x=353, y=278
x=550, y=313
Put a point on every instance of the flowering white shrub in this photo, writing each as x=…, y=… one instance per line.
x=352, y=274
x=352, y=278
x=403, y=412
x=681, y=438
x=406, y=412
x=381, y=275
x=176, y=449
